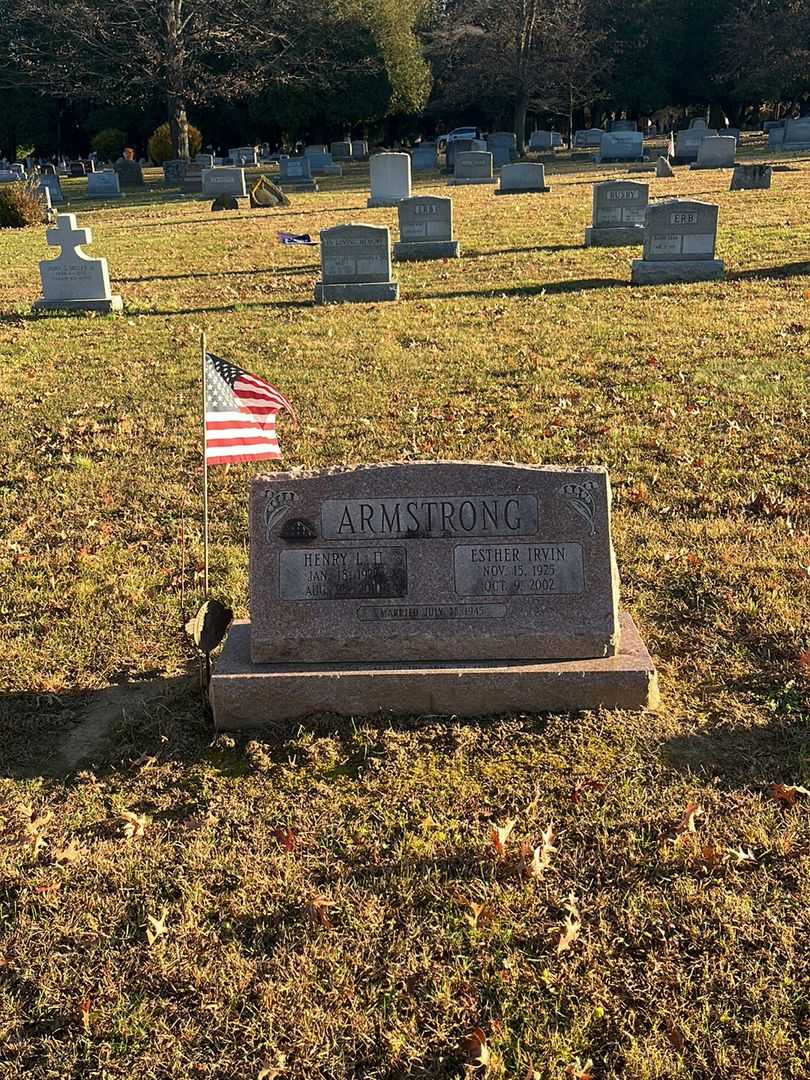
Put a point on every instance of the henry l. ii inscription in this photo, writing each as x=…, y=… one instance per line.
x=354, y=574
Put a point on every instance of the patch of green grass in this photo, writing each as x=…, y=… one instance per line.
x=319, y=888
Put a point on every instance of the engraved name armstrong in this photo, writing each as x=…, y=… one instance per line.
x=437, y=516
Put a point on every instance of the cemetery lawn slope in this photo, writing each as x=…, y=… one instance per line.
x=331, y=902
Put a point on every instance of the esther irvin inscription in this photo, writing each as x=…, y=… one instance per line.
x=432, y=561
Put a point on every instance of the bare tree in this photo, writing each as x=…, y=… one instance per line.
x=183, y=51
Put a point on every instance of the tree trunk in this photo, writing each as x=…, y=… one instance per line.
x=717, y=117
x=521, y=109
x=175, y=88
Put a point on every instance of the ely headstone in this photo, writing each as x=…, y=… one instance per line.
x=522, y=178
x=426, y=229
x=390, y=175
x=619, y=210
x=680, y=236
x=74, y=281
x=431, y=588
x=356, y=265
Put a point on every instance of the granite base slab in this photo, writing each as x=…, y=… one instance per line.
x=375, y=204
x=425, y=250
x=108, y=304
x=361, y=292
x=523, y=191
x=663, y=272
x=473, y=180
x=616, y=236
x=250, y=696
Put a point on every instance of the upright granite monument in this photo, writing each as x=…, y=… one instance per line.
x=619, y=210
x=450, y=588
x=426, y=229
x=356, y=265
x=680, y=236
x=74, y=281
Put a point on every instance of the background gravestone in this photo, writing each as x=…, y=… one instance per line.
x=687, y=144
x=680, y=236
x=426, y=229
x=588, y=138
x=522, y=178
x=434, y=587
x=52, y=183
x=130, y=174
x=619, y=212
x=503, y=147
x=751, y=177
x=716, y=152
x=103, y=185
x=473, y=167
x=356, y=265
x=359, y=149
x=424, y=157
x=224, y=181
x=296, y=173
x=341, y=151
x=390, y=176
x=621, y=146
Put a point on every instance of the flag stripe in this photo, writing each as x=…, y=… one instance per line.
x=216, y=457
x=240, y=414
x=255, y=440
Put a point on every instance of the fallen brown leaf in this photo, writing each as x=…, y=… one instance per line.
x=787, y=793
x=475, y=1049
x=70, y=854
x=286, y=838
x=675, y=1035
x=569, y=934
x=578, y=1071
x=134, y=824
x=687, y=822
x=198, y=822
x=47, y=890
x=500, y=836
x=84, y=1010
x=319, y=907
x=580, y=790
x=541, y=856
x=741, y=855
x=804, y=661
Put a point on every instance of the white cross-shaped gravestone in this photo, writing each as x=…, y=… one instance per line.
x=74, y=280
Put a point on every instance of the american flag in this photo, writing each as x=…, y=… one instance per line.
x=240, y=414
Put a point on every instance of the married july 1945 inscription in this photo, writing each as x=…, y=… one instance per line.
x=433, y=561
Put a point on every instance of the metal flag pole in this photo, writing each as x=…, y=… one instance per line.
x=204, y=346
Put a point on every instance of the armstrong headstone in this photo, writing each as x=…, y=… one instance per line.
x=426, y=229
x=439, y=588
x=74, y=281
x=356, y=265
x=680, y=236
x=619, y=210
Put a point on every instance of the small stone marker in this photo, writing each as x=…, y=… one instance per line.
x=225, y=202
x=76, y=168
x=680, y=236
x=716, y=152
x=359, y=149
x=426, y=229
x=356, y=265
x=51, y=182
x=296, y=173
x=206, y=161
x=265, y=194
x=545, y=140
x=751, y=177
x=619, y=211
x=663, y=168
x=522, y=178
x=473, y=167
x=621, y=146
x=103, y=185
x=224, y=181
x=130, y=174
x=390, y=176
x=424, y=157
x=74, y=281
x=434, y=587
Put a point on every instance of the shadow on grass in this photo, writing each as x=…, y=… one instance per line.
x=522, y=250
x=193, y=274
x=224, y=217
x=54, y=735
x=548, y=288
x=748, y=757
x=786, y=270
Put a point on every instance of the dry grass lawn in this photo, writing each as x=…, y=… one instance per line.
x=174, y=904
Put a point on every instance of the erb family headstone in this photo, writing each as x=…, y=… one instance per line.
x=74, y=281
x=680, y=237
x=103, y=185
x=296, y=173
x=619, y=210
x=473, y=167
x=716, y=152
x=522, y=178
x=356, y=265
x=439, y=588
x=390, y=175
x=426, y=229
x=751, y=177
x=224, y=181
